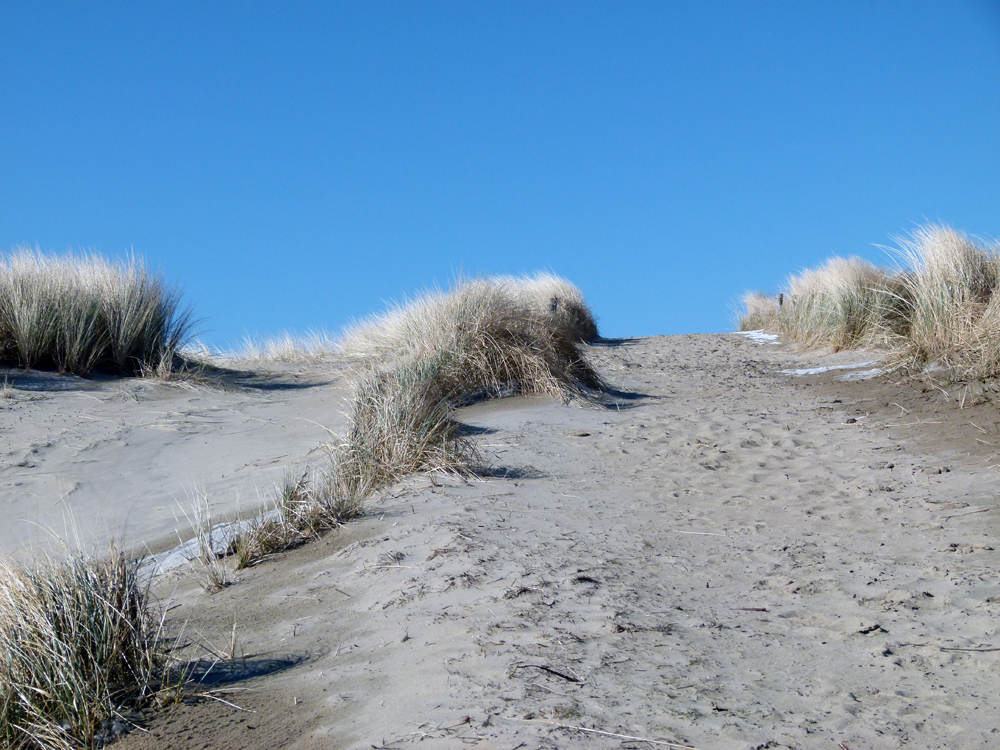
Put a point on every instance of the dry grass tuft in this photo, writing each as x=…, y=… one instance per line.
x=435, y=320
x=941, y=307
x=953, y=307
x=76, y=314
x=761, y=312
x=304, y=506
x=78, y=645
x=288, y=348
x=485, y=338
x=400, y=423
x=844, y=304
x=548, y=294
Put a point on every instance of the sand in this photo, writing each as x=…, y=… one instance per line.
x=722, y=556
x=91, y=460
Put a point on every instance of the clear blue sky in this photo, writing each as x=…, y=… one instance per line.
x=293, y=165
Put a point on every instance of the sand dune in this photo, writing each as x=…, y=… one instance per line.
x=722, y=556
x=102, y=458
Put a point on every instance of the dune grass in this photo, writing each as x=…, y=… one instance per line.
x=940, y=305
x=433, y=319
x=760, y=312
x=483, y=339
x=846, y=303
x=416, y=364
x=952, y=316
x=78, y=645
x=546, y=293
x=285, y=348
x=80, y=313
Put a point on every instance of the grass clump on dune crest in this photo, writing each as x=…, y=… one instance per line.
x=77, y=314
x=546, y=293
x=941, y=307
x=435, y=319
x=78, y=646
x=419, y=362
x=761, y=312
x=953, y=302
x=483, y=339
x=286, y=348
x=844, y=304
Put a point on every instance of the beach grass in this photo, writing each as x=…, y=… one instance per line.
x=760, y=312
x=81, y=313
x=79, y=644
x=434, y=319
x=938, y=306
x=286, y=348
x=416, y=364
x=952, y=298
x=484, y=338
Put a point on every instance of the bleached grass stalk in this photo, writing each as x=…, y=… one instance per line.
x=81, y=313
x=78, y=643
x=213, y=572
x=288, y=348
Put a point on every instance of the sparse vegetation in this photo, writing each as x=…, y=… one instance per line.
x=302, y=508
x=940, y=306
x=77, y=314
x=78, y=645
x=285, y=348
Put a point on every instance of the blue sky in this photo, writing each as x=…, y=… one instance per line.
x=294, y=165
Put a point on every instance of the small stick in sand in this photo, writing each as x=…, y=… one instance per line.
x=233, y=705
x=550, y=670
x=971, y=512
x=606, y=734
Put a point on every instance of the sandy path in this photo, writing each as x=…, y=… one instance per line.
x=729, y=561
x=100, y=458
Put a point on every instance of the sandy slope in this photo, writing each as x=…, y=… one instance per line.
x=106, y=458
x=726, y=558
